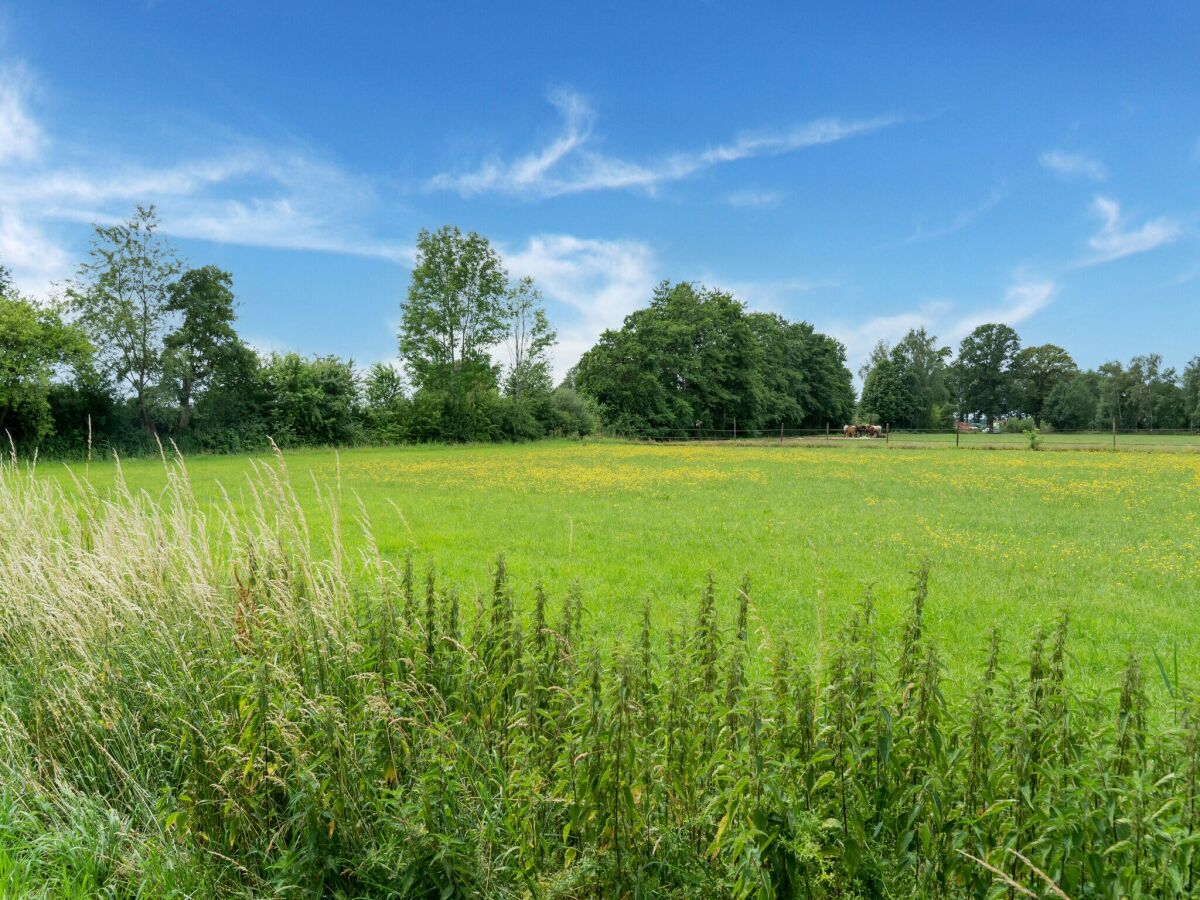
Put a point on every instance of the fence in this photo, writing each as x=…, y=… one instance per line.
x=1113, y=439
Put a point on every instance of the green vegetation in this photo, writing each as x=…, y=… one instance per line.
x=1010, y=536
x=141, y=349
x=270, y=695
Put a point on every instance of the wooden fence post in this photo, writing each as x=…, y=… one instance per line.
x=827, y=432
x=780, y=434
x=957, y=433
x=1114, y=432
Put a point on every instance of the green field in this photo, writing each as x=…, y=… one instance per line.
x=1011, y=536
x=227, y=681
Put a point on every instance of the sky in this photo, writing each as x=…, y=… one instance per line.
x=866, y=167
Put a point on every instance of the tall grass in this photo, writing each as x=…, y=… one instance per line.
x=196, y=701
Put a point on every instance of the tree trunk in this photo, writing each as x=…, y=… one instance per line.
x=147, y=422
x=185, y=404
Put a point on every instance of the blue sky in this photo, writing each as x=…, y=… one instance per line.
x=867, y=169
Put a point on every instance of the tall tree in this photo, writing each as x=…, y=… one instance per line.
x=1038, y=370
x=1191, y=392
x=122, y=295
x=34, y=342
x=1114, y=396
x=688, y=360
x=454, y=313
x=924, y=364
x=890, y=393
x=985, y=370
x=529, y=341
x=205, y=340
x=1071, y=404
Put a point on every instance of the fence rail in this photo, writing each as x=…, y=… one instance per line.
x=1118, y=439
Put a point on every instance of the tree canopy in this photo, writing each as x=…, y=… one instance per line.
x=695, y=359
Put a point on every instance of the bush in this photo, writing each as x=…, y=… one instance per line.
x=1016, y=425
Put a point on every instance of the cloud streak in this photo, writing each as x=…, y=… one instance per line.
x=251, y=193
x=1074, y=165
x=599, y=282
x=1116, y=240
x=1024, y=298
x=569, y=164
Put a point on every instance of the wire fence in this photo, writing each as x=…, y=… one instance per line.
x=934, y=438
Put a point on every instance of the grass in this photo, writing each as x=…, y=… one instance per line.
x=1011, y=536
x=202, y=698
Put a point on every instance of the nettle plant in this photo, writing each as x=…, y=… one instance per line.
x=224, y=701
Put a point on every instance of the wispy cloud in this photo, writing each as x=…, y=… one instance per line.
x=755, y=199
x=20, y=135
x=1026, y=296
x=568, y=164
x=964, y=219
x=1074, y=165
x=599, y=282
x=1115, y=239
x=251, y=193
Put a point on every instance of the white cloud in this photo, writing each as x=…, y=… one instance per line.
x=755, y=199
x=601, y=281
x=964, y=219
x=250, y=193
x=568, y=165
x=1115, y=240
x=1074, y=165
x=1024, y=298
x=35, y=258
x=20, y=136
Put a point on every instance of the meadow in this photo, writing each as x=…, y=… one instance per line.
x=597, y=670
x=1010, y=537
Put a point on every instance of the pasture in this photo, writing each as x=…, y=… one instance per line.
x=230, y=682
x=1011, y=537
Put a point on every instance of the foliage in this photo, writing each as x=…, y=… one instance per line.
x=310, y=400
x=454, y=313
x=250, y=717
x=36, y=343
x=530, y=339
x=204, y=347
x=1071, y=404
x=1037, y=371
x=985, y=371
x=694, y=359
x=122, y=296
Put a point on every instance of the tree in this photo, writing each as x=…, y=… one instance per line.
x=890, y=393
x=1114, y=395
x=924, y=364
x=121, y=295
x=1070, y=405
x=688, y=360
x=985, y=370
x=205, y=341
x=385, y=403
x=310, y=401
x=35, y=342
x=454, y=313
x=1037, y=371
x=1191, y=392
x=530, y=338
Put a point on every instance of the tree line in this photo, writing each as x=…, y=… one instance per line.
x=919, y=384
x=137, y=348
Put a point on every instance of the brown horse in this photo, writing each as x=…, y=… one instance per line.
x=850, y=431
